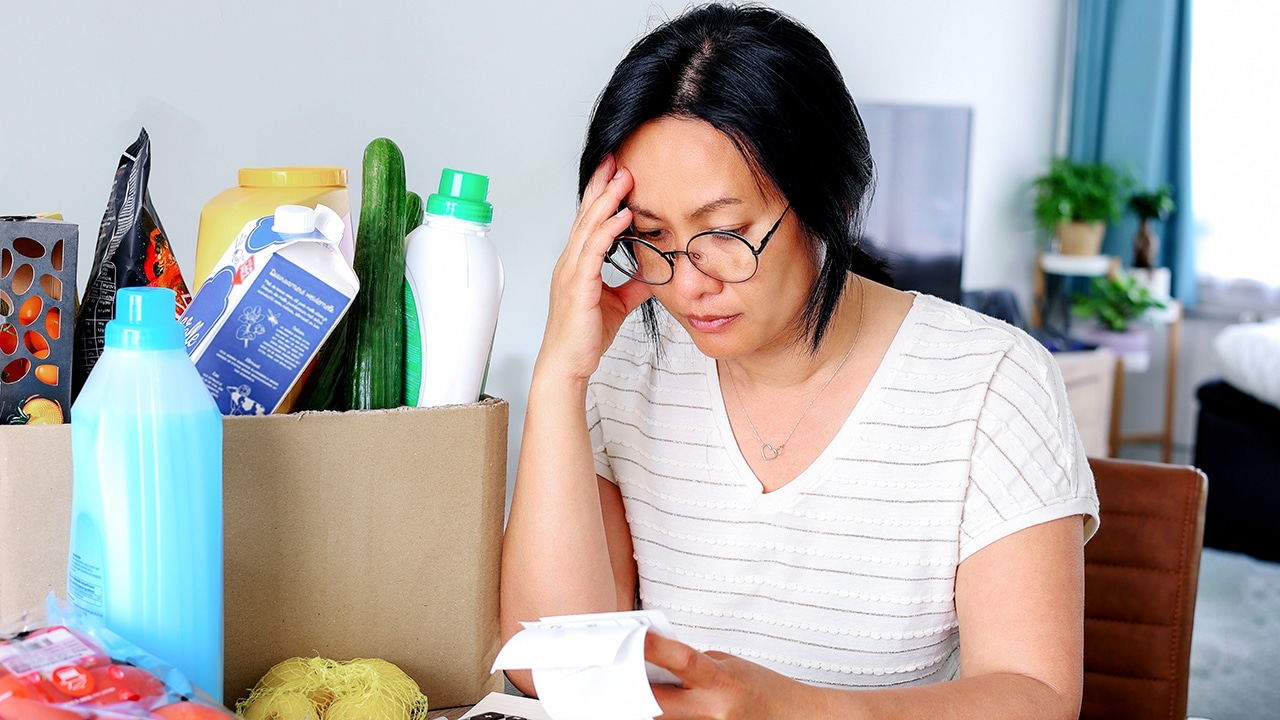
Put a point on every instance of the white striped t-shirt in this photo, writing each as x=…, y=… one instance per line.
x=846, y=575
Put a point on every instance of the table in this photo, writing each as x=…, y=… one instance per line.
x=1089, y=376
x=1098, y=266
x=1064, y=266
x=1172, y=317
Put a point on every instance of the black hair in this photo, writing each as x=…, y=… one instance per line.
x=771, y=86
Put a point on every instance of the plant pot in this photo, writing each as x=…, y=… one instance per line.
x=1145, y=246
x=1081, y=238
x=1157, y=280
x=1130, y=345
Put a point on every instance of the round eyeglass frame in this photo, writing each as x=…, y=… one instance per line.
x=670, y=255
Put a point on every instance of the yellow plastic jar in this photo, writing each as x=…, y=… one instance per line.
x=260, y=192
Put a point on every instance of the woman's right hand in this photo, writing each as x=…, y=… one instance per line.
x=585, y=313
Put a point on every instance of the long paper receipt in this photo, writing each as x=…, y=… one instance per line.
x=588, y=667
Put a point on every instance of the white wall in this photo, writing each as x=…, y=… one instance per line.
x=498, y=87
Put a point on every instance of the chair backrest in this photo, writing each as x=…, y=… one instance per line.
x=1141, y=571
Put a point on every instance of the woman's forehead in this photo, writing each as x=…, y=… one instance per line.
x=685, y=169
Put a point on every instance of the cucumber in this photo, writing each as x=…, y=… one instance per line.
x=376, y=333
x=413, y=212
x=322, y=391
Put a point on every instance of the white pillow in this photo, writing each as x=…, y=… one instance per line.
x=1250, y=357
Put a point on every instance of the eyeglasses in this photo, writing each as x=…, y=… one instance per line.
x=720, y=254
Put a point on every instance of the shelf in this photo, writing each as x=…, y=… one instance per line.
x=1077, y=265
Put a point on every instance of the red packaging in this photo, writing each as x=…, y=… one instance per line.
x=132, y=251
x=60, y=672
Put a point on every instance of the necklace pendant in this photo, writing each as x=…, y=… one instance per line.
x=769, y=452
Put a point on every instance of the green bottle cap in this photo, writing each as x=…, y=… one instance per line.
x=461, y=195
x=145, y=320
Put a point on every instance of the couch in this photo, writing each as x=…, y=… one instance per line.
x=1237, y=442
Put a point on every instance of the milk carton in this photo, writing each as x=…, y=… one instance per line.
x=263, y=313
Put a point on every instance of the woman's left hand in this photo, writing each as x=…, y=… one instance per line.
x=722, y=686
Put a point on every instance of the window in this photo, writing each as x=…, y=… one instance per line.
x=1235, y=144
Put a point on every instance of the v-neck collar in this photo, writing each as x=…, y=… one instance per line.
x=748, y=482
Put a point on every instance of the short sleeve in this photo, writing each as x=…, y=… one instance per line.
x=596, y=430
x=1028, y=465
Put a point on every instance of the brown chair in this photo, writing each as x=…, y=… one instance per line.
x=1141, y=571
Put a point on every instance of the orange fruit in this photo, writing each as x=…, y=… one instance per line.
x=52, y=322
x=16, y=708
x=47, y=374
x=15, y=370
x=36, y=344
x=15, y=686
x=8, y=339
x=30, y=310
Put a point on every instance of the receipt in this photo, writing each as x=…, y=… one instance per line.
x=590, y=666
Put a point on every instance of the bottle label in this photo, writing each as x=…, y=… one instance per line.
x=412, y=349
x=263, y=314
x=264, y=334
x=85, y=588
x=86, y=583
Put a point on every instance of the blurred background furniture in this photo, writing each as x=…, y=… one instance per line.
x=917, y=216
x=1052, y=286
x=1141, y=574
x=1050, y=291
x=1237, y=440
x=1238, y=446
x=1089, y=375
x=1170, y=317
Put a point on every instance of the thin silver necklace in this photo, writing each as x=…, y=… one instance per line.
x=769, y=451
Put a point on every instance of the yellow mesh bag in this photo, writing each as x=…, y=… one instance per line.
x=321, y=689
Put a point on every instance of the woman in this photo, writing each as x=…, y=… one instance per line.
x=829, y=486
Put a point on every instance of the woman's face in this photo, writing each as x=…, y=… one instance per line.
x=689, y=178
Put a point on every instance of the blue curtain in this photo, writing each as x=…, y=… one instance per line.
x=1131, y=107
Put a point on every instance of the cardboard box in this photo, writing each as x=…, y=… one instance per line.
x=359, y=534
x=263, y=313
x=37, y=315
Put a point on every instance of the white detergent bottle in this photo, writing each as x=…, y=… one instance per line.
x=452, y=290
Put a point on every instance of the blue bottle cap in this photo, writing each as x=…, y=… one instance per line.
x=145, y=320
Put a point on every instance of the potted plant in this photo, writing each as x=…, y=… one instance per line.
x=1149, y=205
x=1075, y=200
x=1114, y=303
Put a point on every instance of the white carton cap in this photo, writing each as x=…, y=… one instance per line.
x=294, y=220
x=329, y=224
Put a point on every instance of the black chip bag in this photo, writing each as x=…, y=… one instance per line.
x=132, y=251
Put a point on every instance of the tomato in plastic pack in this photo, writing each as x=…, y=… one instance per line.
x=74, y=670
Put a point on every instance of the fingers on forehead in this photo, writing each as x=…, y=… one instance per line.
x=604, y=171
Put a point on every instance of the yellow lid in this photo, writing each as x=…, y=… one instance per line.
x=293, y=177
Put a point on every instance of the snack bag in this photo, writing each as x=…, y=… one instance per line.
x=132, y=251
x=61, y=665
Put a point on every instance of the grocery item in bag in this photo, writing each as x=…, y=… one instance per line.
x=145, y=555
x=58, y=663
x=318, y=687
x=452, y=288
x=261, y=317
x=132, y=251
x=258, y=192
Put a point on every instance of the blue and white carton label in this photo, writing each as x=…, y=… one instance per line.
x=264, y=312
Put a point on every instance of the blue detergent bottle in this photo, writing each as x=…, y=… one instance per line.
x=146, y=524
